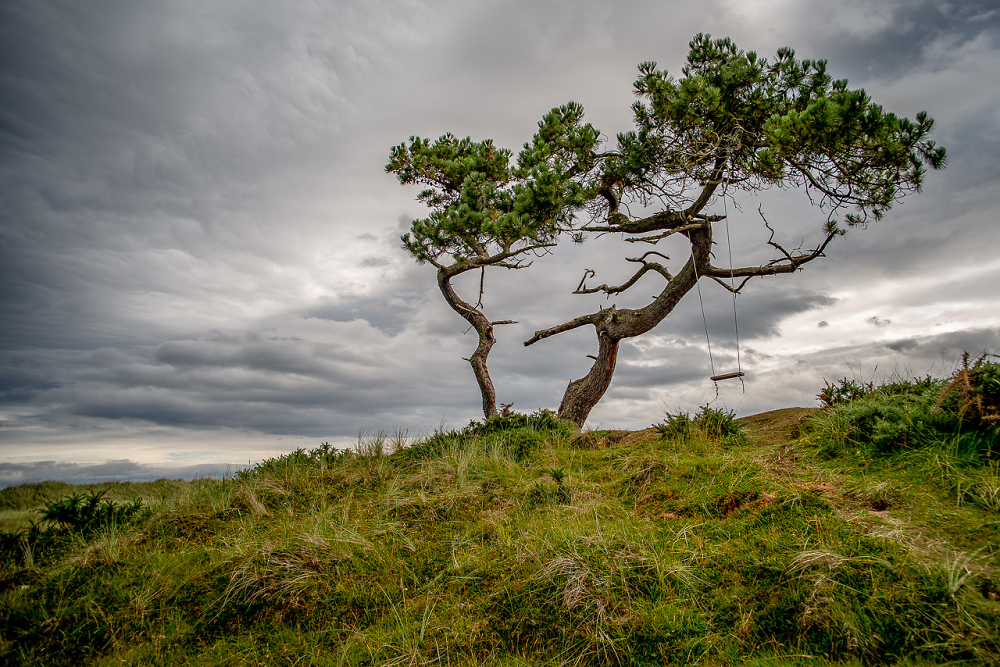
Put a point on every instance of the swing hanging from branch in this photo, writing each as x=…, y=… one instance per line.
x=716, y=378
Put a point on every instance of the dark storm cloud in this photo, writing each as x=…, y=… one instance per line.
x=389, y=315
x=909, y=28
x=671, y=362
x=268, y=384
x=938, y=355
x=902, y=345
x=947, y=349
x=108, y=157
x=257, y=353
x=759, y=310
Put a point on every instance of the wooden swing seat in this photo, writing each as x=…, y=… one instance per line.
x=727, y=376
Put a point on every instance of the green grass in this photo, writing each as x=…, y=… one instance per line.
x=524, y=542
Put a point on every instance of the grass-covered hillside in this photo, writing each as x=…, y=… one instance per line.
x=865, y=532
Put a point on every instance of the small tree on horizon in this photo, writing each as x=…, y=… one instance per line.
x=734, y=122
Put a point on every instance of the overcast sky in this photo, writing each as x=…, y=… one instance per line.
x=199, y=248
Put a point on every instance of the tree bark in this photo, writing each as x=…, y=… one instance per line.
x=483, y=327
x=582, y=395
x=478, y=362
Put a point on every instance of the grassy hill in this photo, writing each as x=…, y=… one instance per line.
x=867, y=532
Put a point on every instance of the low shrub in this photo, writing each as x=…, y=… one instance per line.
x=910, y=414
x=77, y=516
x=541, y=420
x=676, y=426
x=973, y=393
x=87, y=514
x=515, y=433
x=326, y=455
x=716, y=425
x=844, y=391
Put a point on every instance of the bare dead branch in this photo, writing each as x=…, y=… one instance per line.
x=646, y=268
x=643, y=258
x=659, y=237
x=565, y=326
x=734, y=290
x=583, y=280
x=787, y=264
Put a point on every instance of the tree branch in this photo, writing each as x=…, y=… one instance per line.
x=492, y=260
x=482, y=284
x=645, y=255
x=787, y=264
x=565, y=326
x=646, y=268
x=684, y=228
x=609, y=194
x=706, y=194
x=734, y=290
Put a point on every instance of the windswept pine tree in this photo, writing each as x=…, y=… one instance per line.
x=733, y=125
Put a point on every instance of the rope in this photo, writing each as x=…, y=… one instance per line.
x=704, y=319
x=697, y=282
x=732, y=285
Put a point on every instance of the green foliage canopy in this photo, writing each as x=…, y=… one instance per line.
x=739, y=120
x=485, y=210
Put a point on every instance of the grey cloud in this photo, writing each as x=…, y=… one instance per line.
x=911, y=27
x=267, y=383
x=792, y=382
x=759, y=311
x=902, y=345
x=946, y=349
x=934, y=354
x=389, y=314
x=255, y=352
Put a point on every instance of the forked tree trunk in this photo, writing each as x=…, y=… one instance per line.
x=483, y=327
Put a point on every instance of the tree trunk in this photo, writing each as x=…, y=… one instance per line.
x=583, y=394
x=483, y=327
x=478, y=362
